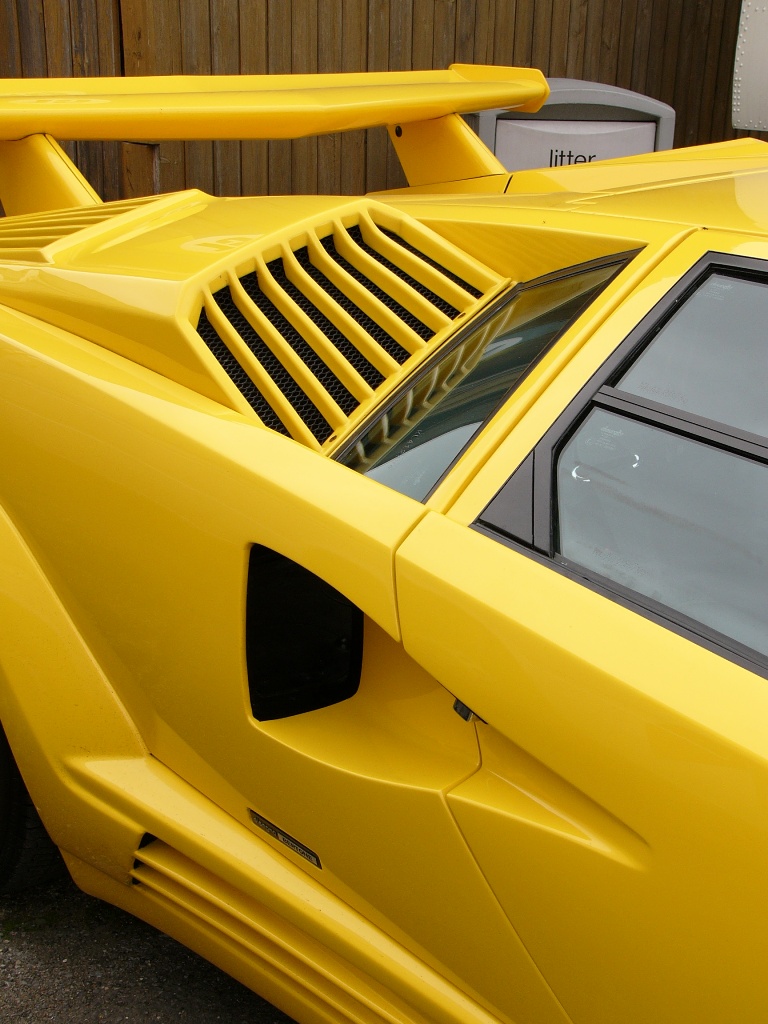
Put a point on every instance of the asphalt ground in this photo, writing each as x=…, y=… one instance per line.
x=69, y=958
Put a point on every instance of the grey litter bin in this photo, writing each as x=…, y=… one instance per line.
x=750, y=70
x=579, y=123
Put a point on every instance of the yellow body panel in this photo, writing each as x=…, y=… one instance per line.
x=591, y=765
x=584, y=840
x=255, y=106
x=36, y=174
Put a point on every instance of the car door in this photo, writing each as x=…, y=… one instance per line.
x=598, y=605
x=237, y=590
x=351, y=784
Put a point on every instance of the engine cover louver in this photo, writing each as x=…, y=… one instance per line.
x=317, y=325
x=45, y=237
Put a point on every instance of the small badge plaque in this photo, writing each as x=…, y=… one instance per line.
x=285, y=839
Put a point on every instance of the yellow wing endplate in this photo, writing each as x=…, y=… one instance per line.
x=255, y=106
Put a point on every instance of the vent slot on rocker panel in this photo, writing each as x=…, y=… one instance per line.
x=255, y=941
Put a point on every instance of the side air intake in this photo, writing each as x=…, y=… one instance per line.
x=311, y=332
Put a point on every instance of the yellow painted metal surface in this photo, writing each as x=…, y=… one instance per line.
x=443, y=149
x=108, y=272
x=255, y=106
x=568, y=368
x=36, y=174
x=587, y=842
x=594, y=816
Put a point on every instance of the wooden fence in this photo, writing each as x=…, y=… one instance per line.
x=678, y=51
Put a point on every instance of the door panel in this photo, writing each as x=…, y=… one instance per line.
x=620, y=811
x=143, y=512
x=363, y=783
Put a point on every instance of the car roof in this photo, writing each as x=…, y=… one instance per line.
x=724, y=185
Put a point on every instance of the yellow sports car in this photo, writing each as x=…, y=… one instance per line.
x=384, y=580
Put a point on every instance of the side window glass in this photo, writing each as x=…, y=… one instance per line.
x=670, y=518
x=414, y=441
x=652, y=485
x=711, y=357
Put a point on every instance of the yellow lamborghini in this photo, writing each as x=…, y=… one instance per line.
x=384, y=580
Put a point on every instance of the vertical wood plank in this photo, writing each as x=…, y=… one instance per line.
x=709, y=77
x=110, y=63
x=401, y=30
x=654, y=75
x=466, y=23
x=626, y=44
x=164, y=22
x=609, y=43
x=329, y=59
x=58, y=48
x=505, y=15
x=722, y=127
x=224, y=32
x=74, y=35
x=254, y=155
x=684, y=59
x=137, y=177
x=671, y=52
x=196, y=59
x=593, y=34
x=559, y=40
x=152, y=46
x=400, y=59
x=32, y=38
x=133, y=32
x=444, y=28
x=688, y=94
x=378, y=60
x=577, y=28
x=10, y=51
x=84, y=40
x=110, y=48
x=482, y=52
x=304, y=61
x=541, y=37
x=139, y=169
x=523, y=37
x=423, y=34
x=354, y=58
x=641, y=47
x=279, y=63
x=58, y=38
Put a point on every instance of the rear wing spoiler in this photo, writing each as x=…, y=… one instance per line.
x=420, y=108
x=255, y=106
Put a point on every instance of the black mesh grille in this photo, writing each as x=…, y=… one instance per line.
x=301, y=402
x=257, y=339
x=335, y=388
x=433, y=263
x=238, y=376
x=419, y=328
x=379, y=335
x=367, y=371
x=439, y=303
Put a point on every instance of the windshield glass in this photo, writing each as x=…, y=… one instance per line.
x=411, y=445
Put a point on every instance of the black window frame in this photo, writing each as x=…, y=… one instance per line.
x=529, y=497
